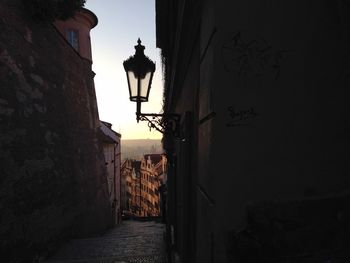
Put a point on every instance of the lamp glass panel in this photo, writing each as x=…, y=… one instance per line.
x=132, y=84
x=145, y=86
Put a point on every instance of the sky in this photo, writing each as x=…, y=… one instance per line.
x=120, y=24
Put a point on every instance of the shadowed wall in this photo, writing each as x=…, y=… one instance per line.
x=53, y=183
x=267, y=84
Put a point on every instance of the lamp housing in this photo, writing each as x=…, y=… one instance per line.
x=139, y=72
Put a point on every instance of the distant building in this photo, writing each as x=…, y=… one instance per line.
x=130, y=187
x=125, y=172
x=111, y=148
x=141, y=181
x=161, y=173
x=149, y=199
x=135, y=190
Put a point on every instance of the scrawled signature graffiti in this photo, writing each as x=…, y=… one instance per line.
x=241, y=117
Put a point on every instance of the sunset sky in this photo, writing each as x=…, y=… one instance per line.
x=120, y=24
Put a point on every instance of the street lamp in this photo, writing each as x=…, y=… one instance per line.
x=139, y=72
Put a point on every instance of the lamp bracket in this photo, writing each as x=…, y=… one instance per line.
x=165, y=123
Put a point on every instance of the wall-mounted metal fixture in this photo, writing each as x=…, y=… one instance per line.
x=139, y=72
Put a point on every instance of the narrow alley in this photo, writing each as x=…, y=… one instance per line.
x=130, y=242
x=226, y=119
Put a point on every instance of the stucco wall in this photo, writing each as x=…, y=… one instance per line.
x=53, y=182
x=83, y=22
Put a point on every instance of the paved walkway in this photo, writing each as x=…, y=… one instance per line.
x=130, y=242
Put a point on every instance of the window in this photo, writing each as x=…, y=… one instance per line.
x=73, y=38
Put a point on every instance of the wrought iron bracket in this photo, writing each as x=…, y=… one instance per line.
x=166, y=123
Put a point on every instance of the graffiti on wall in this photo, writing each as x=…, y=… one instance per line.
x=240, y=117
x=247, y=55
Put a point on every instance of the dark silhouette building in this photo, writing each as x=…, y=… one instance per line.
x=110, y=140
x=260, y=173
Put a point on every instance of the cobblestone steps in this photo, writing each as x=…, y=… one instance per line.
x=129, y=242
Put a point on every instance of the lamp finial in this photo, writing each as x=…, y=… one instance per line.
x=139, y=48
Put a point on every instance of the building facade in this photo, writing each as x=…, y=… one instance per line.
x=141, y=181
x=126, y=169
x=150, y=183
x=131, y=187
x=111, y=148
x=260, y=87
x=77, y=31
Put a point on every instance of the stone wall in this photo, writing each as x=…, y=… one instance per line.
x=52, y=175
